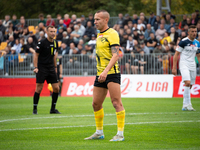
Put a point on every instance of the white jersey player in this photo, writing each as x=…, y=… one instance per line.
x=188, y=48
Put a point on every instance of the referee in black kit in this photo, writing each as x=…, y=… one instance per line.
x=45, y=68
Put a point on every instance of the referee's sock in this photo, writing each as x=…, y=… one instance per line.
x=54, y=100
x=36, y=100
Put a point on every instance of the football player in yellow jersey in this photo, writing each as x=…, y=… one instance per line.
x=108, y=76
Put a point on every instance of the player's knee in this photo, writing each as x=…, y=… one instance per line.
x=187, y=83
x=56, y=89
x=116, y=103
x=95, y=106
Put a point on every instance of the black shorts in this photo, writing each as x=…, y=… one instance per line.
x=110, y=78
x=46, y=73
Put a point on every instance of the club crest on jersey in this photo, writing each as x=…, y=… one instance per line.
x=103, y=39
x=101, y=35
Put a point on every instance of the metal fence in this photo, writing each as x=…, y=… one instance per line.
x=112, y=21
x=85, y=65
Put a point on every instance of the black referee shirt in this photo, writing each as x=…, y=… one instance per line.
x=46, y=51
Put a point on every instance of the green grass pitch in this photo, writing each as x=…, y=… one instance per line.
x=151, y=123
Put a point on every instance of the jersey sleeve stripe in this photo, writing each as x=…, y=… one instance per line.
x=114, y=45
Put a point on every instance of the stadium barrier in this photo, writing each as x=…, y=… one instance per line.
x=132, y=86
x=85, y=65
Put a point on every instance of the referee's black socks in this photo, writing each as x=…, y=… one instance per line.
x=36, y=100
x=54, y=100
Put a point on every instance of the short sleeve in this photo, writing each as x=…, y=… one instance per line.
x=180, y=46
x=114, y=39
x=38, y=47
x=198, y=50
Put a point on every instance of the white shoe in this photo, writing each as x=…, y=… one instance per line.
x=188, y=108
x=117, y=138
x=6, y=74
x=95, y=136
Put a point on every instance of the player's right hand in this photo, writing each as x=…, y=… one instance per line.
x=174, y=71
x=35, y=70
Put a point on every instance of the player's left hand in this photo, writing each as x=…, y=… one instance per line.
x=102, y=77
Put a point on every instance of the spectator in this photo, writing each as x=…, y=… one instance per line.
x=142, y=30
x=88, y=48
x=73, y=49
x=152, y=19
x=123, y=40
x=143, y=18
x=74, y=19
x=130, y=44
x=166, y=37
x=135, y=34
x=120, y=19
x=183, y=22
x=130, y=25
x=197, y=15
x=141, y=39
x=58, y=18
x=83, y=21
x=41, y=35
x=158, y=49
x=194, y=19
x=9, y=33
x=188, y=22
x=166, y=26
x=24, y=48
x=31, y=46
x=37, y=33
x=140, y=24
x=142, y=62
x=171, y=15
x=152, y=42
x=92, y=42
x=135, y=18
x=90, y=19
x=126, y=20
x=10, y=41
x=64, y=49
x=35, y=41
x=135, y=60
x=6, y=21
x=177, y=29
x=25, y=34
x=160, y=32
x=165, y=64
x=172, y=24
x=59, y=36
x=41, y=27
x=88, y=32
x=167, y=20
x=165, y=44
x=148, y=31
x=129, y=32
x=69, y=31
x=144, y=48
x=76, y=34
x=172, y=47
x=1, y=37
x=22, y=23
x=81, y=27
x=173, y=35
x=67, y=20
x=41, y=19
x=2, y=28
x=183, y=34
x=157, y=23
x=61, y=24
x=50, y=21
x=14, y=20
x=66, y=38
x=17, y=46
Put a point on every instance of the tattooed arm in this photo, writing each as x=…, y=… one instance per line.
x=115, y=57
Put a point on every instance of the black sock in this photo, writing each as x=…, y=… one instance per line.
x=54, y=100
x=36, y=100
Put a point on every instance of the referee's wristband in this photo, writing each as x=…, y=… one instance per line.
x=36, y=67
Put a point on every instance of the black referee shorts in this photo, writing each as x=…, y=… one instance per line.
x=46, y=73
x=110, y=78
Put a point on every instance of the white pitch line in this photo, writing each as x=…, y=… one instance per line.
x=80, y=126
x=76, y=116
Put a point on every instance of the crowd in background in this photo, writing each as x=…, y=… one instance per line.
x=139, y=37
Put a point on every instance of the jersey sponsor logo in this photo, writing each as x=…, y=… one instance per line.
x=38, y=47
x=75, y=89
x=101, y=35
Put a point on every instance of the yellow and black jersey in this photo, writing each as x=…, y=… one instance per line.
x=104, y=42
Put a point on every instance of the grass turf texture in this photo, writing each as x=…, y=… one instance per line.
x=151, y=123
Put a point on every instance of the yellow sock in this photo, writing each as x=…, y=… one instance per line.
x=120, y=120
x=99, y=115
